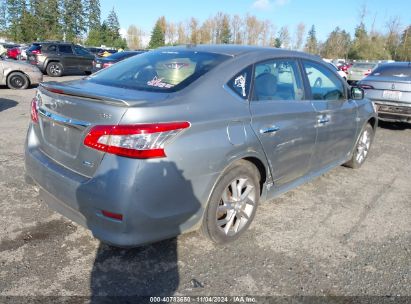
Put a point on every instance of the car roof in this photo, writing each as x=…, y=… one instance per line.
x=236, y=50
x=396, y=64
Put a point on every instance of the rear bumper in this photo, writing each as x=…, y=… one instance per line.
x=393, y=111
x=156, y=201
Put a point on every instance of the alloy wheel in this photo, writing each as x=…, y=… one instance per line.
x=236, y=206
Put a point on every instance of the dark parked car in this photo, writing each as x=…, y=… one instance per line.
x=185, y=138
x=389, y=87
x=105, y=62
x=55, y=58
x=94, y=50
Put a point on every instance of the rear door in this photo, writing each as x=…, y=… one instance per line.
x=84, y=58
x=283, y=119
x=67, y=56
x=336, y=121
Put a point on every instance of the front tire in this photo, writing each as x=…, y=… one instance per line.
x=362, y=148
x=17, y=81
x=233, y=203
x=54, y=69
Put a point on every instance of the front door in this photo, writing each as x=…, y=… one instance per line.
x=336, y=115
x=68, y=58
x=283, y=119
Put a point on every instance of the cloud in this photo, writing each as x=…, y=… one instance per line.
x=261, y=4
x=267, y=4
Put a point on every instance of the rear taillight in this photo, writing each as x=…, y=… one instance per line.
x=34, y=110
x=36, y=52
x=134, y=141
x=366, y=86
x=107, y=64
x=368, y=72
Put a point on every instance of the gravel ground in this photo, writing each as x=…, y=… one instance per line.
x=347, y=233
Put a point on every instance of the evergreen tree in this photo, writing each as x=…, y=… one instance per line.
x=93, y=13
x=277, y=42
x=14, y=12
x=337, y=44
x=73, y=19
x=157, y=35
x=312, y=44
x=3, y=21
x=225, y=32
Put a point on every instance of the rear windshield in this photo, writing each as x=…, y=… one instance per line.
x=159, y=71
x=364, y=65
x=393, y=71
x=34, y=47
x=121, y=55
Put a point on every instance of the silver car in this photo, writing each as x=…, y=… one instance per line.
x=18, y=75
x=187, y=138
x=359, y=70
x=389, y=87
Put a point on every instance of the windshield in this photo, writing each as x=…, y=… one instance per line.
x=159, y=71
x=393, y=71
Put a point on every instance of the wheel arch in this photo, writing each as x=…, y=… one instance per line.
x=17, y=71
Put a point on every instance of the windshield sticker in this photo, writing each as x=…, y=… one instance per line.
x=158, y=82
x=239, y=82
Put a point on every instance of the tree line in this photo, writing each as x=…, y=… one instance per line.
x=395, y=43
x=70, y=20
x=80, y=21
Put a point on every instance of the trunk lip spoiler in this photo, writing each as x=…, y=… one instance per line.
x=64, y=120
x=55, y=88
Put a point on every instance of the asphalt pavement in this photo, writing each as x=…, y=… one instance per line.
x=347, y=233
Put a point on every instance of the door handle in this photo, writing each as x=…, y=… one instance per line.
x=271, y=129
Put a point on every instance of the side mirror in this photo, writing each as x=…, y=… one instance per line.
x=357, y=93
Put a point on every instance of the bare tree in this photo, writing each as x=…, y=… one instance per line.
x=171, y=33
x=299, y=36
x=207, y=31
x=236, y=29
x=252, y=29
x=265, y=32
x=182, y=33
x=393, y=36
x=284, y=36
x=134, y=37
x=194, y=32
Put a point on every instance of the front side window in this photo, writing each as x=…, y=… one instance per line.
x=241, y=83
x=80, y=51
x=324, y=84
x=159, y=71
x=278, y=80
x=65, y=49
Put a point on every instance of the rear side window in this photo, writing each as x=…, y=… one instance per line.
x=400, y=71
x=159, y=71
x=65, y=49
x=241, y=83
x=278, y=79
x=324, y=84
x=52, y=48
x=34, y=47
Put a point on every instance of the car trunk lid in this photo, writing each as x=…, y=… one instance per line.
x=68, y=111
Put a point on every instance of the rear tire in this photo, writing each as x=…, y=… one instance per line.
x=362, y=147
x=54, y=69
x=233, y=203
x=17, y=81
x=88, y=72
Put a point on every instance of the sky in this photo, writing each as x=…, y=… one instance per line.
x=325, y=15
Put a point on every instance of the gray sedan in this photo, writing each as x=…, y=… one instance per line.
x=389, y=87
x=188, y=138
x=18, y=75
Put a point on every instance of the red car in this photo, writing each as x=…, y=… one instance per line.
x=14, y=53
x=345, y=67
